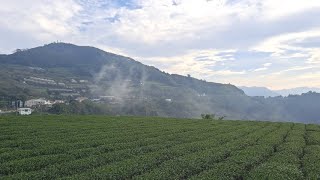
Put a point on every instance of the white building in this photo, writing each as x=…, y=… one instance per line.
x=24, y=111
x=202, y=95
x=80, y=99
x=36, y=102
x=58, y=102
x=61, y=84
x=83, y=81
x=110, y=98
x=40, y=81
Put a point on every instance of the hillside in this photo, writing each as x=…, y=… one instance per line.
x=88, y=62
x=123, y=86
x=263, y=91
x=297, y=91
x=99, y=147
x=59, y=60
x=258, y=91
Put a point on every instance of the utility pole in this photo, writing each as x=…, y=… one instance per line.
x=16, y=105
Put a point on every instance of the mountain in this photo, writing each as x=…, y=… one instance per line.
x=107, y=74
x=90, y=62
x=263, y=91
x=258, y=91
x=118, y=85
x=297, y=91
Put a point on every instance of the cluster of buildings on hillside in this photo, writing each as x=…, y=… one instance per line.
x=65, y=88
x=26, y=107
x=35, y=102
x=41, y=81
x=45, y=81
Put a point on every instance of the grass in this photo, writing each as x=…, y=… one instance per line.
x=100, y=147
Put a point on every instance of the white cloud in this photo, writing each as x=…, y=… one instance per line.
x=314, y=56
x=264, y=67
x=198, y=63
x=197, y=37
x=275, y=9
x=228, y=73
x=313, y=76
x=293, y=69
x=267, y=64
x=285, y=46
x=260, y=69
x=160, y=21
x=24, y=24
x=51, y=17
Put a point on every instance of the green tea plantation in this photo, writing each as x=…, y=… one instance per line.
x=100, y=147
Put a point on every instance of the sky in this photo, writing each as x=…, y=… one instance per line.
x=268, y=43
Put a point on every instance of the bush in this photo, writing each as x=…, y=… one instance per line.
x=275, y=170
x=212, y=116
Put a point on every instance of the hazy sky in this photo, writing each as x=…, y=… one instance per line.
x=268, y=43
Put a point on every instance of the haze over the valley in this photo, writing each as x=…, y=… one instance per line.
x=268, y=43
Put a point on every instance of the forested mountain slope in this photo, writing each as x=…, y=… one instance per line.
x=138, y=89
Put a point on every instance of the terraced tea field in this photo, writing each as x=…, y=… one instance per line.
x=98, y=147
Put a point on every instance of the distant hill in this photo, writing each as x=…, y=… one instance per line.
x=263, y=91
x=128, y=87
x=297, y=91
x=258, y=91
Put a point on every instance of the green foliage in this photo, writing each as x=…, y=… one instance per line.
x=276, y=171
x=100, y=147
x=311, y=156
x=83, y=108
x=208, y=116
x=285, y=162
x=60, y=109
x=311, y=162
x=212, y=117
